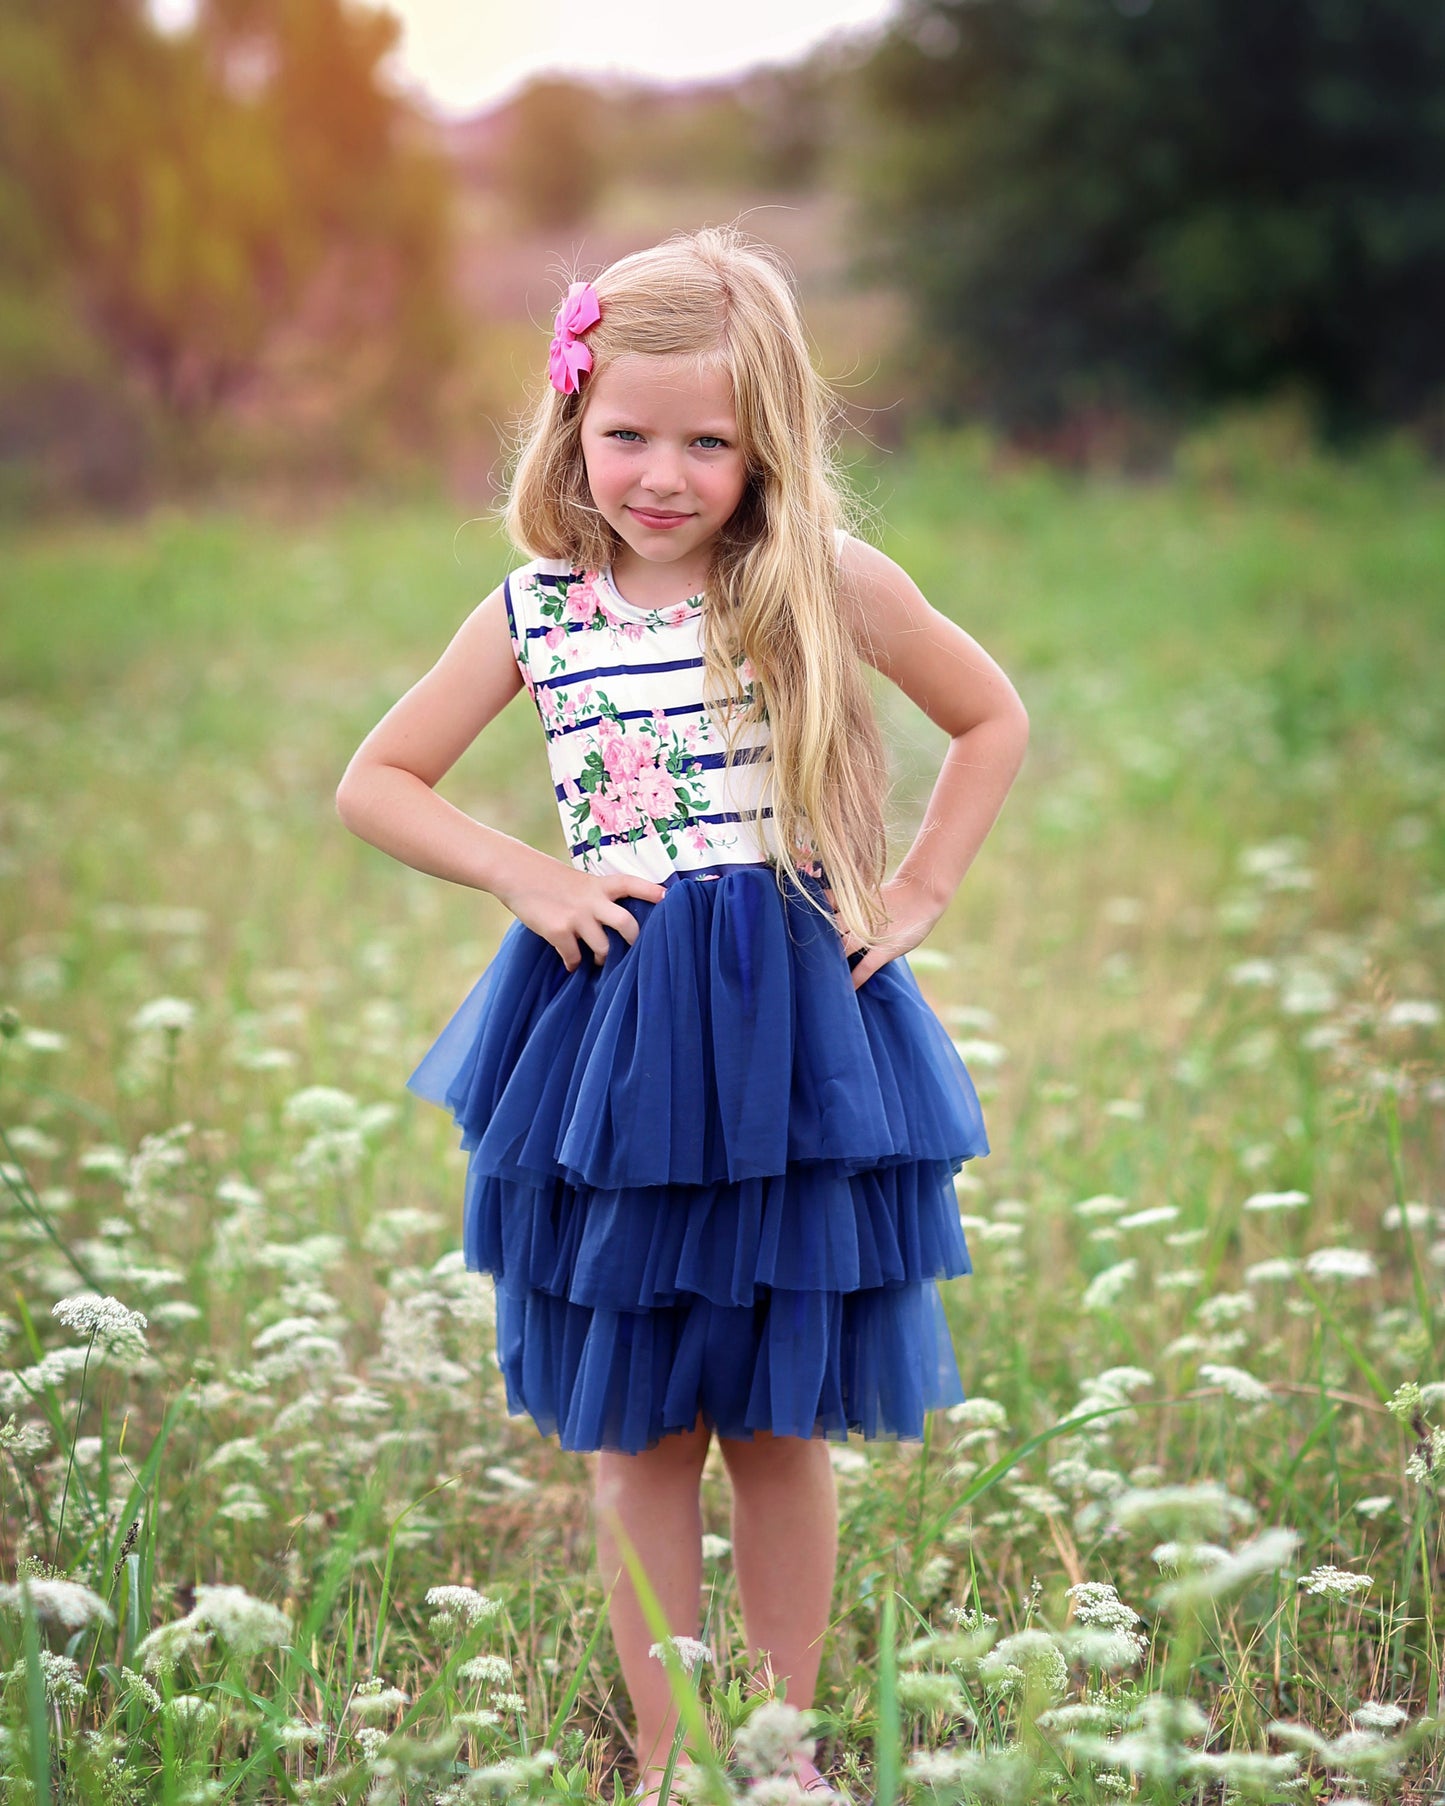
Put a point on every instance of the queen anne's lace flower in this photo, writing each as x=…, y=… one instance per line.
x=64, y=1602
x=1335, y=1583
x=107, y=1319
x=688, y=1650
x=460, y=1606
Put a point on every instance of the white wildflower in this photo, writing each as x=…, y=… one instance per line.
x=376, y=1702
x=107, y=1319
x=924, y=1692
x=1105, y=1289
x=1412, y=1012
x=21, y=1440
x=1104, y=1205
x=296, y=1734
x=133, y=1683
x=1266, y=1553
x=25, y=1138
x=486, y=1671
x=1097, y=1602
x=979, y=1414
x=68, y=1603
x=1028, y=1659
x=715, y=1548
x=1194, y=1510
x=64, y=1683
x=164, y=1015
x=1277, y=1200
x=1183, y=1558
x=460, y=1607
x=1341, y=1263
x=1236, y=1382
x=1271, y=1272
x=1335, y=1583
x=1379, y=1715
x=1254, y=972
x=773, y=1736
x=688, y=1651
x=1125, y=1109
x=1375, y=1506
x=1119, y=1382
x=976, y=1051
x=1224, y=1307
x=1427, y=1463
x=1144, y=1219
x=189, y=1708
x=322, y=1107
x=246, y=1624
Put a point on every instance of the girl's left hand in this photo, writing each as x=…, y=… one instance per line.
x=912, y=912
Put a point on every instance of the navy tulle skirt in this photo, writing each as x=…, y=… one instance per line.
x=709, y=1177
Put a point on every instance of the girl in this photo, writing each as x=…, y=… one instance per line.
x=710, y=1165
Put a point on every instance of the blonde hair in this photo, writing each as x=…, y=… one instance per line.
x=772, y=593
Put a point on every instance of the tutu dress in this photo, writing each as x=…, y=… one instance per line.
x=708, y=1176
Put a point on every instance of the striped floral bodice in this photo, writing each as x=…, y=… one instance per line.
x=637, y=762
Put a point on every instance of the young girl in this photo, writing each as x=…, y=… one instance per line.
x=712, y=1124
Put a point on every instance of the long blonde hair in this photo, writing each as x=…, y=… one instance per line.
x=772, y=593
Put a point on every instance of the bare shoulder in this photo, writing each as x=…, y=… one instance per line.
x=901, y=634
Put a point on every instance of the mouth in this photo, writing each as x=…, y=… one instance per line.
x=658, y=517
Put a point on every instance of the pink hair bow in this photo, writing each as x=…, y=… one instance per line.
x=568, y=359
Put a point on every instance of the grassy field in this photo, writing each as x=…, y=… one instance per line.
x=1196, y=972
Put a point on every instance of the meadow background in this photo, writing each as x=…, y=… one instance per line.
x=280, y=1541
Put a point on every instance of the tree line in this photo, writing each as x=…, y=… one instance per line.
x=1154, y=204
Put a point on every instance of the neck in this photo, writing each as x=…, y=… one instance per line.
x=657, y=586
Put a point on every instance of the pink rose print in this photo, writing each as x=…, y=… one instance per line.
x=676, y=616
x=571, y=789
x=632, y=630
x=697, y=838
x=554, y=637
x=659, y=724
x=746, y=673
x=656, y=793
x=582, y=603
x=624, y=758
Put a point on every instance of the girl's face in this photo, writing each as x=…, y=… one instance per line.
x=660, y=445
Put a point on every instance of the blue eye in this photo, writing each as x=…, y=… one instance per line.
x=624, y=433
x=714, y=443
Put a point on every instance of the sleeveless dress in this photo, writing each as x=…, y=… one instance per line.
x=709, y=1178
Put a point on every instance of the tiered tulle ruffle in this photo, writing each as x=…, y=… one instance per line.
x=710, y=1177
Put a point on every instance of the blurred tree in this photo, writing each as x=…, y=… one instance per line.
x=1164, y=199
x=177, y=195
x=554, y=171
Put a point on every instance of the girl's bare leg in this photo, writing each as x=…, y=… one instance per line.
x=785, y=1554
x=654, y=1498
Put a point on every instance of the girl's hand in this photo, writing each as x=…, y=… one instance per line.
x=573, y=909
x=912, y=909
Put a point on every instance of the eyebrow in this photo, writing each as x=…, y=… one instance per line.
x=611, y=419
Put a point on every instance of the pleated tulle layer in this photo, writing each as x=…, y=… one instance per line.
x=711, y=1159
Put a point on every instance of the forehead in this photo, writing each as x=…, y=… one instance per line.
x=668, y=391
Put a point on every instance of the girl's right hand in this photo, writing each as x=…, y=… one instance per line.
x=573, y=909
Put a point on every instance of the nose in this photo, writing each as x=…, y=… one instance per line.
x=663, y=475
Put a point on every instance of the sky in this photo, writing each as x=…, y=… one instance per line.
x=465, y=54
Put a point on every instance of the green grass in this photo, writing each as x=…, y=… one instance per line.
x=1178, y=969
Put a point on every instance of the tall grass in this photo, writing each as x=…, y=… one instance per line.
x=1184, y=1539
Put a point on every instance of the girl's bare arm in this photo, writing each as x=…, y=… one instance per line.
x=387, y=796
x=960, y=688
